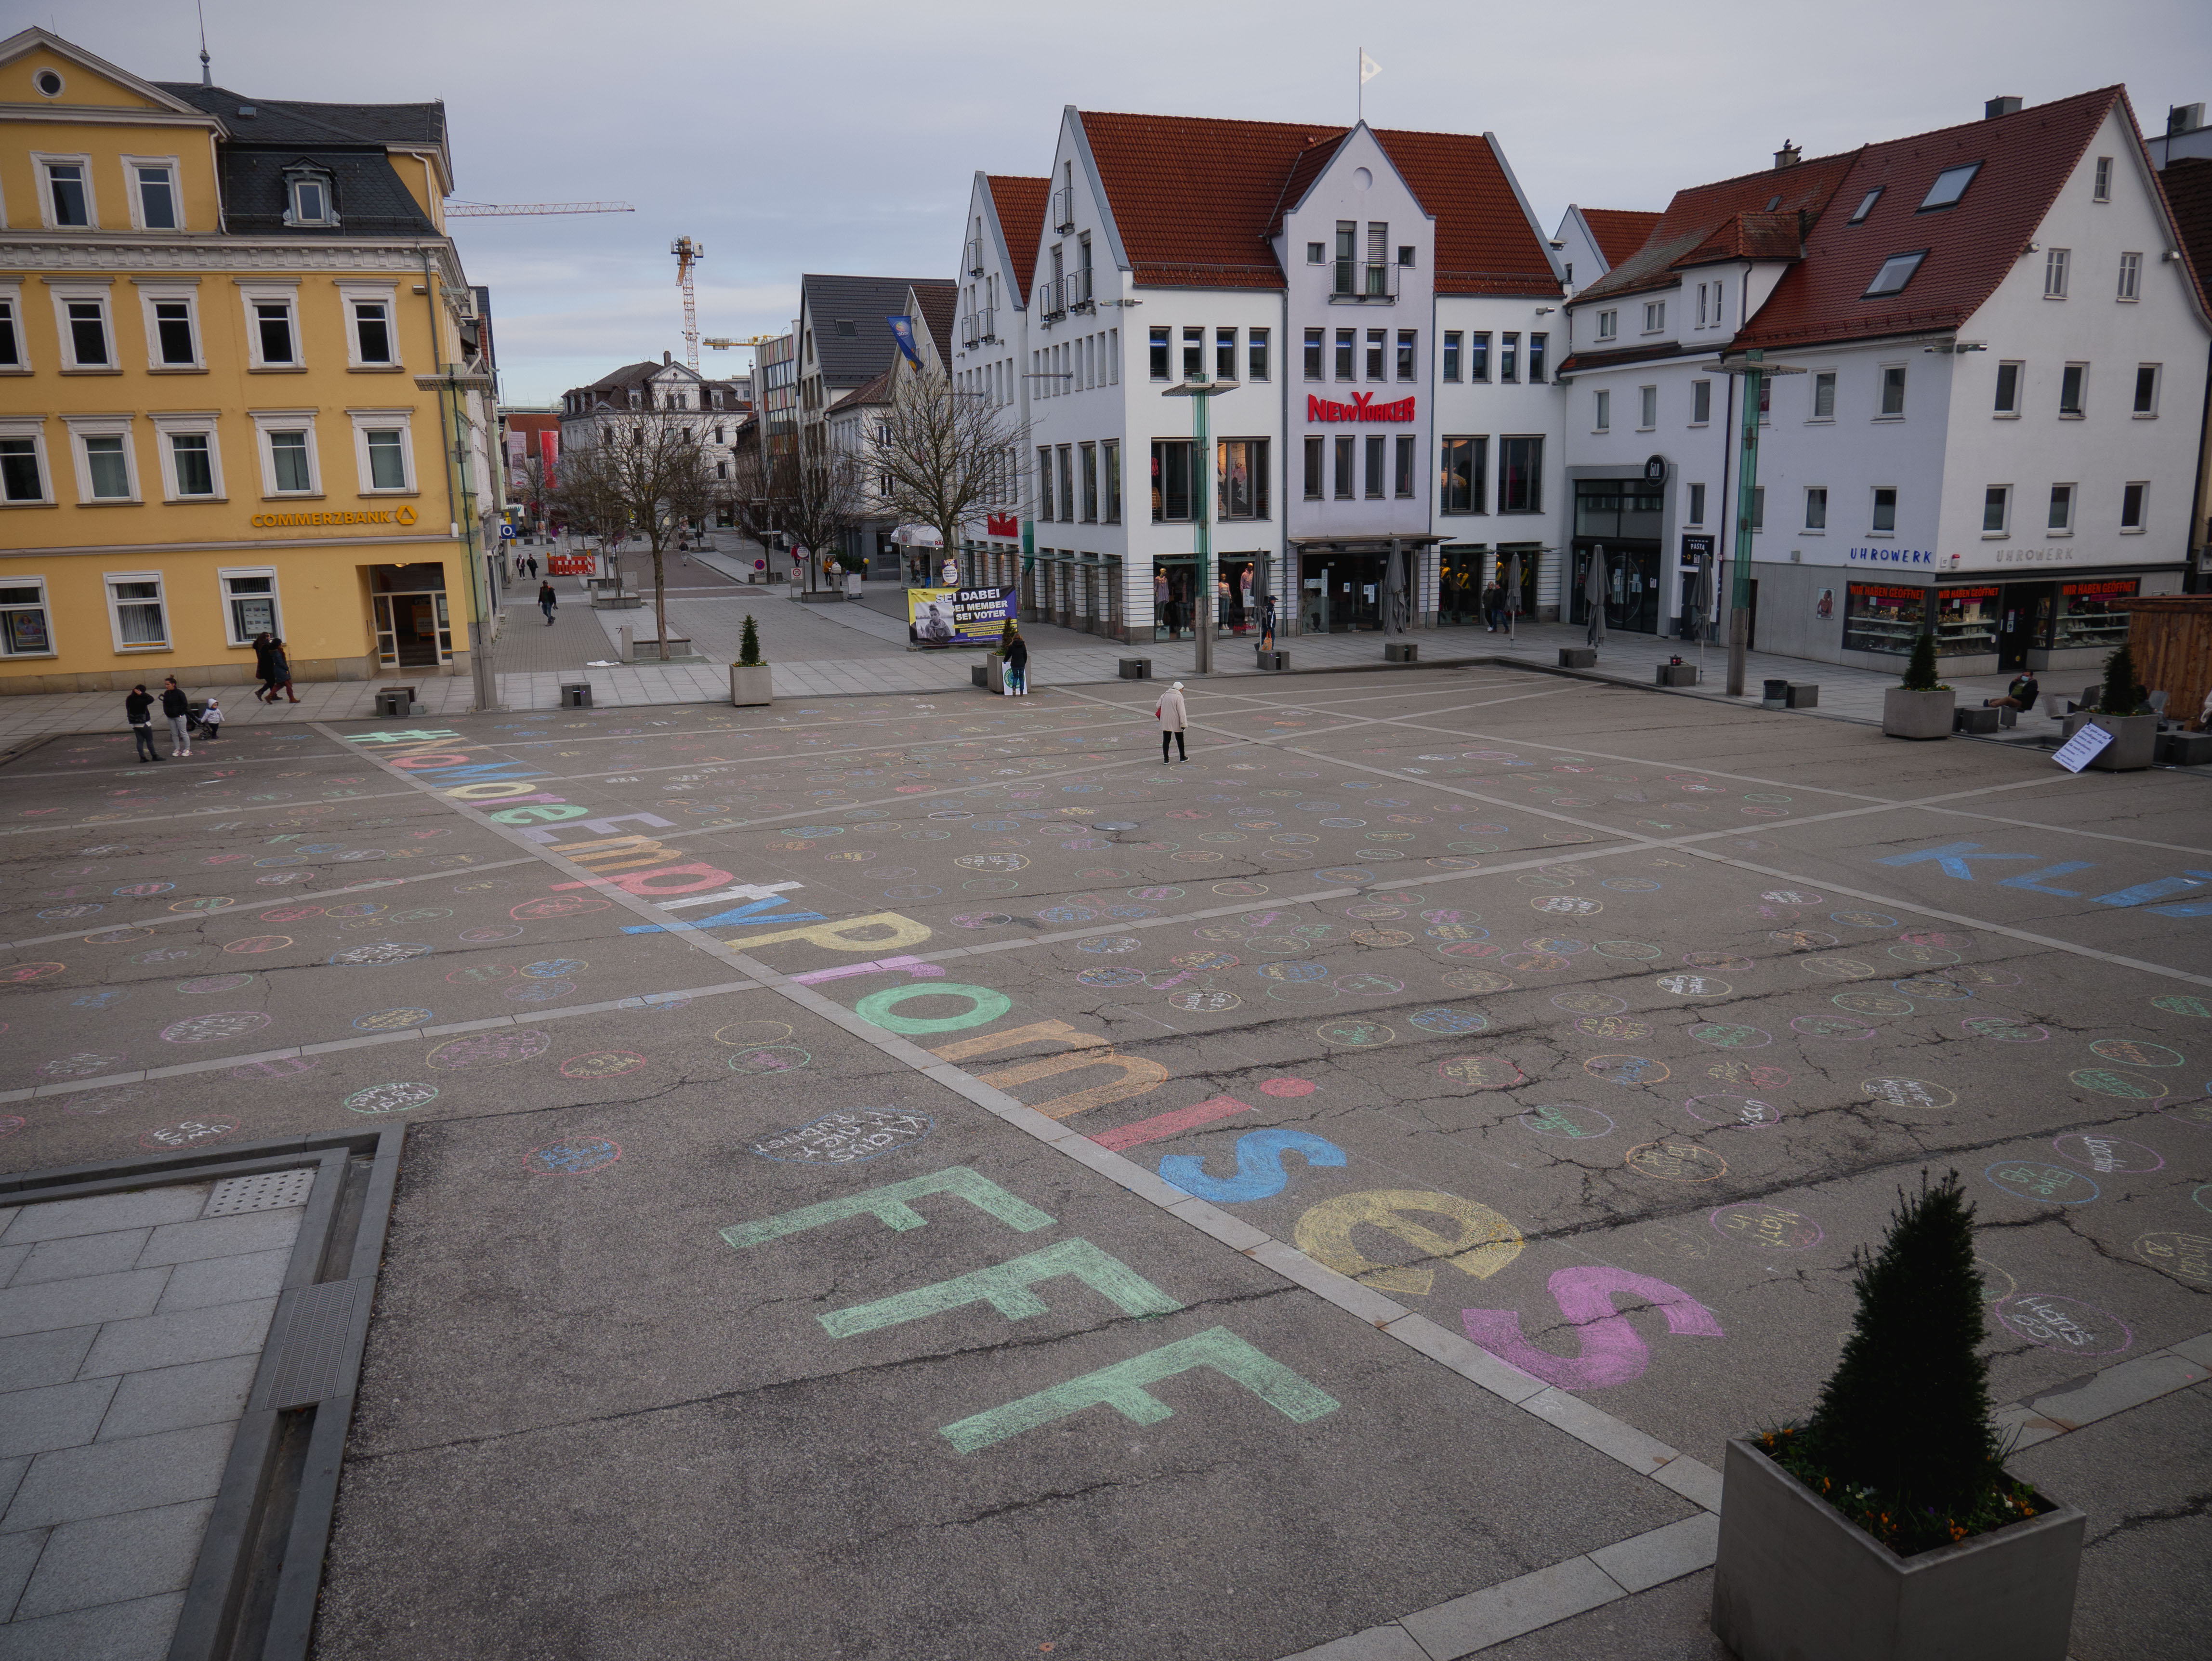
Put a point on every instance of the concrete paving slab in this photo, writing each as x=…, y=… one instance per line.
x=113, y=1477
x=180, y=1397
x=112, y=1559
x=57, y=1416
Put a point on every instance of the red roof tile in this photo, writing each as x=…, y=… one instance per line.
x=1197, y=199
x=1020, y=204
x=1620, y=232
x=2188, y=185
x=938, y=300
x=2026, y=157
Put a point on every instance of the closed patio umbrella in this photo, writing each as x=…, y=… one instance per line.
x=1512, y=591
x=1594, y=592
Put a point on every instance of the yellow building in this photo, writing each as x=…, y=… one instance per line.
x=242, y=384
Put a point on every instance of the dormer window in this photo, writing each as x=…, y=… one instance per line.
x=1950, y=185
x=1866, y=205
x=1896, y=271
x=307, y=197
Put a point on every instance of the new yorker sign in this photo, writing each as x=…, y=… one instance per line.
x=334, y=520
x=1363, y=407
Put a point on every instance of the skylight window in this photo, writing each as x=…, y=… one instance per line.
x=1866, y=204
x=1896, y=271
x=1950, y=185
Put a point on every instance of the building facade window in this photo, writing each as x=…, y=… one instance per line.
x=1609, y=326
x=1171, y=480
x=153, y=196
x=106, y=461
x=2147, y=381
x=309, y=197
x=1067, y=483
x=1697, y=509
x=289, y=464
x=2060, y=519
x=1408, y=341
x=12, y=358
x=1374, y=455
x=1044, y=481
x=191, y=459
x=1816, y=508
x=1193, y=353
x=1701, y=403
x=1655, y=317
x=1404, y=470
x=1520, y=475
x=1647, y=409
x=1451, y=355
x=1996, y=510
x=172, y=333
x=1346, y=460
x=2130, y=284
x=2101, y=188
x=2132, y=496
x=1111, y=465
x=137, y=611
x=1601, y=400
x=1824, y=395
x=1224, y=354
x=272, y=328
x=1478, y=356
x=1540, y=346
x=25, y=625
x=1243, y=486
x=1885, y=510
x=1257, y=343
x=1313, y=354
x=1759, y=506
x=1346, y=347
x=1087, y=471
x=2007, y=394
x=68, y=198
x=1893, y=392
x=1377, y=341
x=25, y=480
x=1160, y=355
x=384, y=450
x=86, y=342
x=2074, y=390
x=1508, y=358
x=2056, y=262
x=249, y=604
x=370, y=340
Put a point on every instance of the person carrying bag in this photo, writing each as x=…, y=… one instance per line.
x=1172, y=718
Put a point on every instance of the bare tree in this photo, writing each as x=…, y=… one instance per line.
x=645, y=473
x=944, y=455
x=814, y=498
x=528, y=483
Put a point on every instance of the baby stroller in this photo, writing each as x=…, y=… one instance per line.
x=194, y=726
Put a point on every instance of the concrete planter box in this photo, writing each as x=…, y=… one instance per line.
x=1795, y=1581
x=1678, y=674
x=1402, y=651
x=994, y=673
x=1977, y=720
x=2134, y=745
x=1578, y=657
x=824, y=597
x=750, y=684
x=1136, y=668
x=1272, y=663
x=2184, y=749
x=1910, y=714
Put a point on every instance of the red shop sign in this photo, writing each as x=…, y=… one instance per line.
x=1363, y=407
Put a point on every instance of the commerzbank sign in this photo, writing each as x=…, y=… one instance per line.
x=339, y=519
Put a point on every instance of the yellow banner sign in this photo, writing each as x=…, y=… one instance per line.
x=340, y=517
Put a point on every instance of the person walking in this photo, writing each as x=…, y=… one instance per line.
x=212, y=719
x=280, y=672
x=1017, y=667
x=266, y=691
x=547, y=600
x=138, y=710
x=1173, y=717
x=1494, y=602
x=178, y=713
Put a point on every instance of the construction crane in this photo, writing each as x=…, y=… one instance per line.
x=509, y=210
x=688, y=253
x=750, y=340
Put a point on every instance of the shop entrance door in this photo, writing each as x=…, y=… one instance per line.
x=1350, y=592
x=2022, y=615
x=412, y=632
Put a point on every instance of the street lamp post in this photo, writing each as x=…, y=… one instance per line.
x=1755, y=369
x=1200, y=388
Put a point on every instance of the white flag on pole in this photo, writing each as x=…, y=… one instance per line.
x=1369, y=69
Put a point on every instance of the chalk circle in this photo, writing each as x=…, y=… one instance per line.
x=2180, y=1004
x=1974, y=974
x=1467, y=949
x=206, y=902
x=357, y=909
x=1839, y=969
x=1110, y=976
x=982, y=920
x=1382, y=937
x=539, y=991
x=985, y=1004
x=162, y=954
x=2107, y=1155
x=1927, y=989
x=1302, y=994
x=912, y=891
x=1744, y=1111
x=1295, y=972
x=1676, y=1162
x=1863, y=919
x=280, y=1067
x=558, y=905
x=1537, y=963
x=11, y=1122
x=2063, y=1323
x=2001, y=1030
x=2198, y=1111
x=1566, y=905
x=1345, y=873
x=1288, y=1087
x=390, y=1097
x=1801, y=939
x=1109, y=945
x=2137, y=1054
x=1558, y=946
x=555, y=969
x=84, y=1064
x=992, y=886
x=1355, y=1034
x=490, y=1048
x=1477, y=980
x=1930, y=955
x=1692, y=986
x=1371, y=986
x=1565, y=837
x=1452, y=1023
x=2112, y=1081
x=1207, y=961
x=1632, y=884
x=768, y=1058
x=1198, y=1000
x=1627, y=1069
x=1481, y=1071
x=192, y=1133
x=2028, y=1179
x=1728, y=1035
x=1590, y=1003
x=117, y=936
x=1570, y=1120
x=391, y=1020
x=1241, y=890
x=1832, y=1026
x=1620, y=1027
x=208, y=983
x=489, y=936
x=1792, y=897
x=1631, y=951
x=1910, y=1092
x=1759, y=1078
x=2184, y=1256
x=1882, y=1004
x=92, y=1103
x=1731, y=961
x=578, y=1157
x=1767, y=1227
x=215, y=1028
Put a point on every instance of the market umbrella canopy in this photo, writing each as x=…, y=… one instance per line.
x=1594, y=592
x=1513, y=586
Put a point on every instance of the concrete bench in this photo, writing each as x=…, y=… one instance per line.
x=1977, y=720
x=1136, y=668
x=1678, y=674
x=395, y=701
x=1400, y=651
x=1578, y=657
x=575, y=694
x=1804, y=695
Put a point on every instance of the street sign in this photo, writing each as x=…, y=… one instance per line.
x=506, y=533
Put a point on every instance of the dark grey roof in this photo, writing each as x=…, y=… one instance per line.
x=287, y=121
x=367, y=191
x=864, y=302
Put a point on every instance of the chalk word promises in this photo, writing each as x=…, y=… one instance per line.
x=1259, y=1172
x=1481, y=1242
x=1612, y=1351
x=851, y=1136
x=490, y=1048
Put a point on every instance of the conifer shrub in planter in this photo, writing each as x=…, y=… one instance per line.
x=749, y=682
x=2122, y=711
x=1885, y=1527
x=1921, y=707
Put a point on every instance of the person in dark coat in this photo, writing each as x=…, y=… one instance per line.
x=138, y=710
x=280, y=672
x=266, y=690
x=1017, y=667
x=177, y=710
x=547, y=600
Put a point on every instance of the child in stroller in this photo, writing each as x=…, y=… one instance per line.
x=204, y=721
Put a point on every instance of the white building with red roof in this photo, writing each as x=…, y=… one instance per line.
x=1990, y=433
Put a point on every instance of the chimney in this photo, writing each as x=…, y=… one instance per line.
x=1788, y=156
x=665, y=360
x=2183, y=118
x=1997, y=107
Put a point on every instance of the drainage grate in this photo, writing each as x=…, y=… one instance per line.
x=270, y=1191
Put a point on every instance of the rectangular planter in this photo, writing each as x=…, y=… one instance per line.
x=1578, y=657
x=1910, y=714
x=995, y=672
x=1678, y=674
x=750, y=684
x=1402, y=651
x=1794, y=1580
x=2134, y=745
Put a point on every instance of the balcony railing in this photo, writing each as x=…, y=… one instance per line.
x=1077, y=285
x=975, y=260
x=1051, y=298
x=987, y=323
x=1063, y=209
x=1357, y=280
x=970, y=334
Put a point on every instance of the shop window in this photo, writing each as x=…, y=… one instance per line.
x=1243, y=487
x=1966, y=621
x=1171, y=480
x=1314, y=466
x=26, y=627
x=2086, y=620
x=137, y=613
x=1881, y=617
x=249, y=605
x=1520, y=475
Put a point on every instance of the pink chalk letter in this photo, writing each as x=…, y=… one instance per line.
x=1612, y=1352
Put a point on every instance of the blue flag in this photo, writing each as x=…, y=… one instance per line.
x=903, y=332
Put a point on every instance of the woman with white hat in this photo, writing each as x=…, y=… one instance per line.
x=1172, y=716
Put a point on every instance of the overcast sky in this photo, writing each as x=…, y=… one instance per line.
x=843, y=138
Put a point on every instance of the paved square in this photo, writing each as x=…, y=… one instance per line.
x=916, y=1176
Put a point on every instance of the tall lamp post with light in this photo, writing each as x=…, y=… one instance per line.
x=1200, y=388
x=1754, y=369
